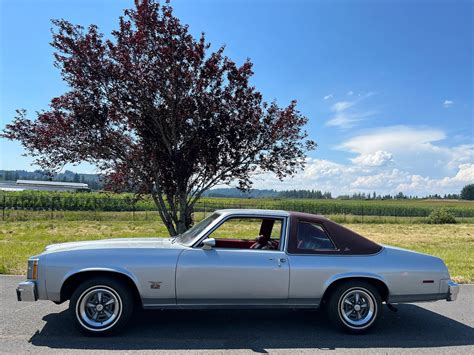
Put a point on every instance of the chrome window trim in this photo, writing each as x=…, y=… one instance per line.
x=199, y=236
x=335, y=250
x=340, y=255
x=287, y=235
x=218, y=222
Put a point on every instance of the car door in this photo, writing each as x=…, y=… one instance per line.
x=232, y=276
x=311, y=254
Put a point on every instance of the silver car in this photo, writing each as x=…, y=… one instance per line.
x=235, y=259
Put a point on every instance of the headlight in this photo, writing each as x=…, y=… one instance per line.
x=32, y=273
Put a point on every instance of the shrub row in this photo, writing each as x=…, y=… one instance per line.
x=125, y=202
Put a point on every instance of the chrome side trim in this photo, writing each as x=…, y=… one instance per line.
x=148, y=302
x=229, y=307
x=221, y=220
x=156, y=303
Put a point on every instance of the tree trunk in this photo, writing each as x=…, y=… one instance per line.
x=182, y=225
x=181, y=209
x=164, y=214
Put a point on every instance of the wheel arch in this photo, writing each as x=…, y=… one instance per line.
x=375, y=280
x=74, y=279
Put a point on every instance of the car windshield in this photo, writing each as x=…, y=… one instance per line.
x=187, y=238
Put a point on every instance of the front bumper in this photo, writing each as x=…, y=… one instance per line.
x=453, y=290
x=26, y=291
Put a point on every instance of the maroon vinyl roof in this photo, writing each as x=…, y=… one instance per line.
x=347, y=242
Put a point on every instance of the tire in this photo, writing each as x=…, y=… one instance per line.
x=101, y=306
x=355, y=306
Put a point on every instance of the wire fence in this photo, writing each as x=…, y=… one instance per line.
x=57, y=206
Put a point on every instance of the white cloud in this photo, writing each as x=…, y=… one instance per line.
x=448, y=103
x=379, y=158
x=327, y=97
x=319, y=169
x=341, y=179
x=418, y=150
x=342, y=106
x=417, y=184
x=379, y=181
x=346, y=118
x=388, y=160
x=350, y=93
x=465, y=173
x=393, y=138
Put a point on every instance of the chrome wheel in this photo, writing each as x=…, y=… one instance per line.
x=99, y=308
x=357, y=308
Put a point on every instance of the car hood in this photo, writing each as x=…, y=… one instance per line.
x=151, y=243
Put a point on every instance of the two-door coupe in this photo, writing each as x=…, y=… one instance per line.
x=280, y=259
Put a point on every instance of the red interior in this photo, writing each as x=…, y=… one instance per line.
x=234, y=243
x=262, y=239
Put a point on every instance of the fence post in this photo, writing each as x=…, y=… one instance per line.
x=51, y=206
x=3, y=207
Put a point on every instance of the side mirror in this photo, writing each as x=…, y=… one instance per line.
x=208, y=243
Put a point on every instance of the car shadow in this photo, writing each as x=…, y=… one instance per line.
x=258, y=330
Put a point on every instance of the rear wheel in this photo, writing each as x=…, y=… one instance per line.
x=355, y=306
x=101, y=306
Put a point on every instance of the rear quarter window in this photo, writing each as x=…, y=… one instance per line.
x=310, y=238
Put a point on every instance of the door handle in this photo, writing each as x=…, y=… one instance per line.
x=279, y=260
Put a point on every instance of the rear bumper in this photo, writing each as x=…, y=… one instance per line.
x=26, y=291
x=453, y=291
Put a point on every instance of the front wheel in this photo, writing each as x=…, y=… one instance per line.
x=355, y=306
x=101, y=306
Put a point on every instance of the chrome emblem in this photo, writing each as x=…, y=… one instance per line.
x=155, y=285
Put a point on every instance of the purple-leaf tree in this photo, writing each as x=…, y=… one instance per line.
x=160, y=114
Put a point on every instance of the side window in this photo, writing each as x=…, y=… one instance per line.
x=310, y=237
x=248, y=233
x=238, y=228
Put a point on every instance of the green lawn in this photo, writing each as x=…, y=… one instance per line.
x=20, y=239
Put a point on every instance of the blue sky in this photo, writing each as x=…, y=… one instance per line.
x=387, y=85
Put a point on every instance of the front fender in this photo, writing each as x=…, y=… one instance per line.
x=112, y=269
x=56, y=279
x=142, y=266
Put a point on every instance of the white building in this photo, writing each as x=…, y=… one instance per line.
x=22, y=185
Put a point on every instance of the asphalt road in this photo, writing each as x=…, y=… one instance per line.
x=43, y=327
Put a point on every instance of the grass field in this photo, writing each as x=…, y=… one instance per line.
x=20, y=239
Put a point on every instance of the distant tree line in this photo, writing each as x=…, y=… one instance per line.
x=95, y=183
x=467, y=193
x=314, y=194
x=398, y=196
x=319, y=195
